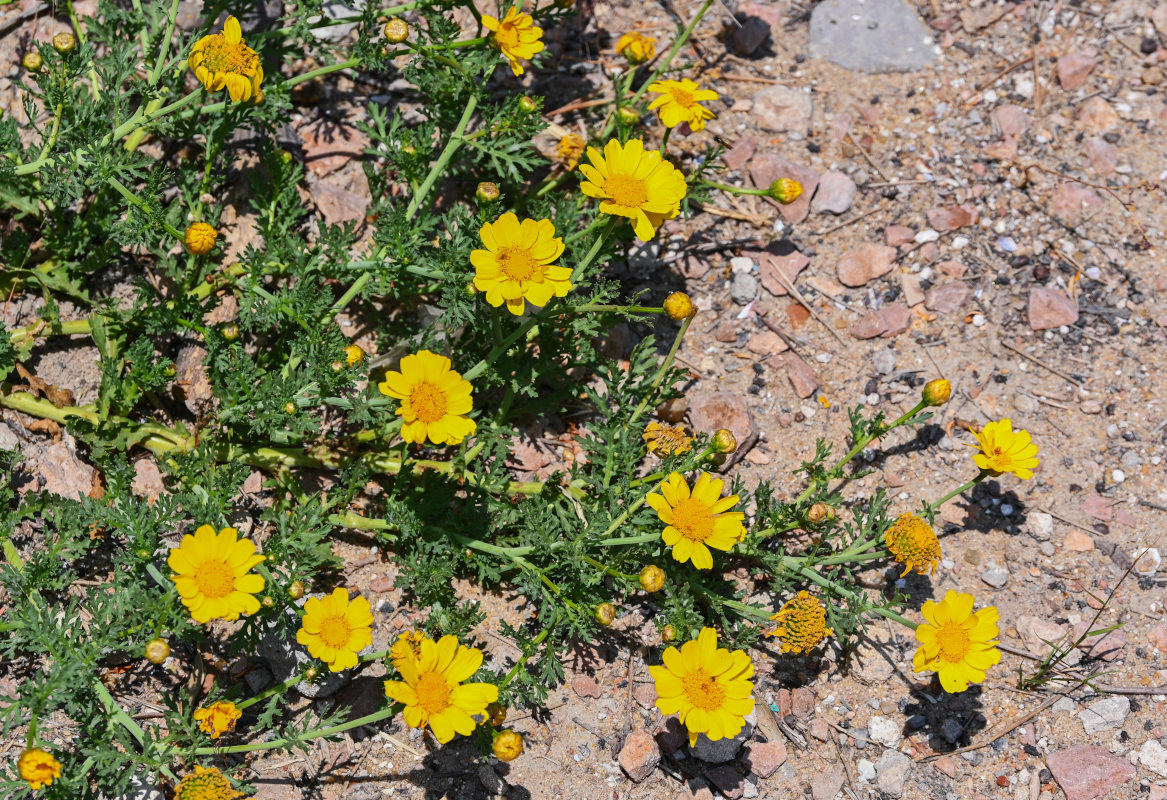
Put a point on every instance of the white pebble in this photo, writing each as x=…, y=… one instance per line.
x=872, y=399
x=1093, y=273
x=1118, y=476
x=960, y=242
x=978, y=320
x=927, y=235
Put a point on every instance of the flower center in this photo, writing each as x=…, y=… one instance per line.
x=702, y=690
x=507, y=35
x=693, y=519
x=428, y=402
x=215, y=579
x=625, y=190
x=683, y=98
x=516, y=263
x=433, y=692
x=220, y=55
x=334, y=631
x=954, y=642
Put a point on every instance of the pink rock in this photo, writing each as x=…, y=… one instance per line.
x=1102, y=155
x=865, y=263
x=728, y=781
x=946, y=299
x=1005, y=150
x=895, y=235
x=827, y=782
x=913, y=294
x=1097, y=116
x=341, y=200
x=148, y=480
x=1098, y=506
x=781, y=257
x=769, y=12
x=1010, y=121
x=740, y=154
x=766, y=169
x=1050, y=308
x=897, y=318
x=586, y=686
x=835, y=194
x=1078, y=542
x=782, y=109
x=639, y=755
x=946, y=765
x=802, y=378
x=949, y=218
x=645, y=695
x=1087, y=772
x=766, y=343
x=764, y=758
x=330, y=144
x=1073, y=203
x=872, y=324
x=1075, y=68
x=1106, y=646
x=954, y=269
x=802, y=703
x=63, y=473
x=1158, y=637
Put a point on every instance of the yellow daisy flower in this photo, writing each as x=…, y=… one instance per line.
x=632, y=182
x=212, y=572
x=707, y=686
x=667, y=440
x=636, y=47
x=697, y=520
x=433, y=691
x=913, y=543
x=516, y=35
x=569, y=149
x=957, y=642
x=217, y=718
x=1005, y=450
x=680, y=101
x=434, y=399
x=38, y=768
x=205, y=783
x=408, y=645
x=802, y=624
x=335, y=629
x=222, y=60
x=516, y=267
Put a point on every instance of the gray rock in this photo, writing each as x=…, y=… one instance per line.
x=743, y=288
x=1102, y=715
x=724, y=749
x=749, y=34
x=1040, y=525
x=995, y=575
x=8, y=440
x=865, y=769
x=883, y=730
x=893, y=767
x=974, y=757
x=884, y=362
x=951, y=729
x=1064, y=706
x=1153, y=756
x=490, y=780
x=835, y=194
x=337, y=10
x=874, y=36
x=287, y=658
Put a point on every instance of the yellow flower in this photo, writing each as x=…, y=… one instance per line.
x=1005, y=450
x=707, y=686
x=957, y=642
x=335, y=629
x=353, y=354
x=802, y=624
x=434, y=399
x=517, y=266
x=667, y=440
x=680, y=101
x=212, y=572
x=569, y=149
x=38, y=768
x=408, y=645
x=217, y=718
x=516, y=35
x=697, y=521
x=636, y=47
x=913, y=543
x=205, y=783
x=508, y=746
x=632, y=182
x=199, y=238
x=433, y=691
x=679, y=306
x=223, y=60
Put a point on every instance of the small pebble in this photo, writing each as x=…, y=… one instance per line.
x=1118, y=476
x=927, y=235
x=978, y=320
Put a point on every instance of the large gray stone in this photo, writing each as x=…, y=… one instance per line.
x=724, y=749
x=874, y=36
x=893, y=768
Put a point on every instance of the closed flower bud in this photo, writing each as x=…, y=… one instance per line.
x=353, y=355
x=817, y=513
x=32, y=61
x=157, y=651
x=937, y=392
x=409, y=149
x=289, y=407
x=396, y=30
x=267, y=601
x=628, y=115
x=605, y=613
x=487, y=192
x=64, y=43
x=200, y=238
x=785, y=190
x=508, y=746
x=311, y=674
x=652, y=578
x=231, y=332
x=528, y=104
x=286, y=156
x=724, y=442
x=497, y=713
x=668, y=633
x=144, y=554
x=296, y=590
x=337, y=366
x=679, y=306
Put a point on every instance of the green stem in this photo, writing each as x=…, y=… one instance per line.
x=142, y=204
x=160, y=64
x=94, y=83
x=447, y=153
x=930, y=508
x=827, y=583
x=316, y=73
x=725, y=187
x=624, y=309
x=660, y=373
x=306, y=736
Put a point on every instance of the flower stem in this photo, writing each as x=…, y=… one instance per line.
x=317, y=733
x=660, y=373
x=447, y=153
x=930, y=508
x=734, y=189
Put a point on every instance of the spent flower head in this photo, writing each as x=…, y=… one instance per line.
x=224, y=61
x=205, y=783
x=38, y=768
x=913, y=543
x=636, y=47
x=217, y=718
x=667, y=440
x=802, y=624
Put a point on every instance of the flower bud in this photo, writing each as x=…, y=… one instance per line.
x=157, y=651
x=267, y=601
x=937, y=392
x=785, y=190
x=409, y=149
x=286, y=156
x=528, y=104
x=230, y=332
x=144, y=554
x=652, y=578
x=311, y=674
x=289, y=407
x=337, y=366
x=487, y=192
x=200, y=238
x=64, y=43
x=679, y=306
x=353, y=355
x=508, y=746
x=724, y=442
x=605, y=614
x=396, y=30
x=628, y=115
x=497, y=713
x=32, y=61
x=296, y=590
x=817, y=513
x=668, y=633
